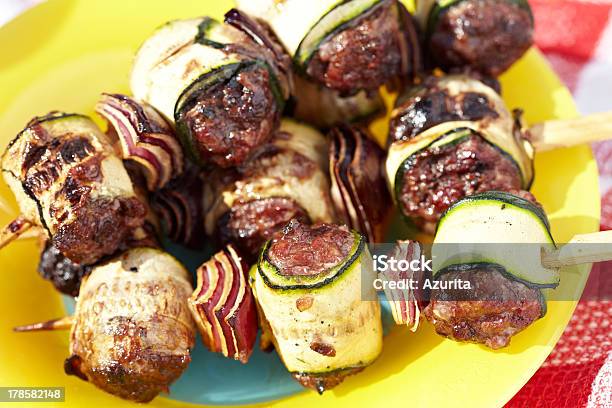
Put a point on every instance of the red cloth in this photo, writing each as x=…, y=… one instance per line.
x=578, y=373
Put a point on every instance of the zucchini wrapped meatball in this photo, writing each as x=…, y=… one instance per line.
x=324, y=315
x=344, y=45
x=451, y=138
x=494, y=242
x=284, y=180
x=70, y=184
x=223, y=85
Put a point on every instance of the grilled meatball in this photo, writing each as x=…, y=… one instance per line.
x=224, y=85
x=366, y=54
x=284, y=180
x=486, y=35
x=234, y=117
x=495, y=309
x=438, y=177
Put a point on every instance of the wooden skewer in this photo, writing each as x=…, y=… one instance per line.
x=63, y=323
x=12, y=231
x=582, y=249
x=555, y=134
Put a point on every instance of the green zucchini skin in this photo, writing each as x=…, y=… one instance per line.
x=301, y=62
x=265, y=266
x=503, y=197
x=491, y=223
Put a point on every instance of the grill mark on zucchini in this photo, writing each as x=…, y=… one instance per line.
x=50, y=117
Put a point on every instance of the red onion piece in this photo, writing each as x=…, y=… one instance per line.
x=223, y=306
x=179, y=206
x=145, y=137
x=406, y=304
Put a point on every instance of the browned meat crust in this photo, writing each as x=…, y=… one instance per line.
x=326, y=381
x=430, y=106
x=98, y=228
x=234, y=117
x=365, y=55
x=438, y=177
x=491, y=313
x=488, y=35
x=309, y=250
x=251, y=224
x=62, y=272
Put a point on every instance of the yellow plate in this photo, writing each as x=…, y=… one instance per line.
x=62, y=54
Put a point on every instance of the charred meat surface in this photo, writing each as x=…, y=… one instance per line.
x=98, y=227
x=64, y=274
x=283, y=180
x=487, y=35
x=432, y=106
x=68, y=180
x=494, y=310
x=310, y=250
x=365, y=55
x=252, y=223
x=435, y=178
x=234, y=117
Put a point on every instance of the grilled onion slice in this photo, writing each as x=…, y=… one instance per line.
x=358, y=186
x=145, y=137
x=406, y=304
x=179, y=206
x=223, y=306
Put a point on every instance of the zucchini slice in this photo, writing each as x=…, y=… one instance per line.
x=291, y=20
x=274, y=279
x=475, y=229
x=184, y=56
x=336, y=311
